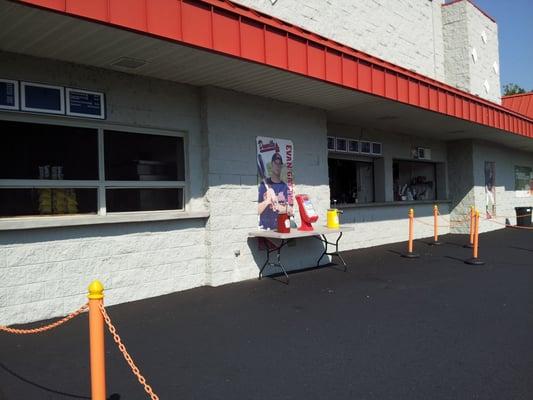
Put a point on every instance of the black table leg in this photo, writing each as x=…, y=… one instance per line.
x=334, y=253
x=278, y=263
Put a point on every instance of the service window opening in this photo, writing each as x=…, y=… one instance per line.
x=350, y=181
x=414, y=180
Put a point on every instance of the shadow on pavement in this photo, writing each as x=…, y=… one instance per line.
x=46, y=389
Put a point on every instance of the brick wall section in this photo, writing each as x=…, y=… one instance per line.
x=375, y=226
x=488, y=54
x=466, y=162
x=462, y=196
x=463, y=28
x=234, y=120
x=45, y=272
x=506, y=197
x=404, y=32
x=456, y=45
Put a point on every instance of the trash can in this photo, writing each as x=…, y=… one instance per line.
x=523, y=216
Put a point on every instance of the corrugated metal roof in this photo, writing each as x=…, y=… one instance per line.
x=520, y=103
x=223, y=28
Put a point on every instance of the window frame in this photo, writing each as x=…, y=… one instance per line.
x=430, y=162
x=101, y=184
x=360, y=158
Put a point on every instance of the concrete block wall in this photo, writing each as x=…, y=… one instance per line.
x=45, y=272
x=456, y=45
x=507, y=198
x=233, y=121
x=485, y=73
x=377, y=225
x=471, y=50
x=466, y=162
x=404, y=32
x=461, y=187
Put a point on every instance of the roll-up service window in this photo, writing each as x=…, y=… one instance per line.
x=414, y=180
x=351, y=181
x=48, y=169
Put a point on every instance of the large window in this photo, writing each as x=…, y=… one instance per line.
x=351, y=181
x=414, y=180
x=56, y=170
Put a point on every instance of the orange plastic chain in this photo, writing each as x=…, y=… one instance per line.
x=465, y=220
x=509, y=226
x=46, y=327
x=127, y=357
x=418, y=220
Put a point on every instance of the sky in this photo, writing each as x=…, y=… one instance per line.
x=515, y=31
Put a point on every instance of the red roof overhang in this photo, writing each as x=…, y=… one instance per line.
x=520, y=103
x=233, y=30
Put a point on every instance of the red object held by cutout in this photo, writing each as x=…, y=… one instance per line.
x=284, y=224
x=308, y=214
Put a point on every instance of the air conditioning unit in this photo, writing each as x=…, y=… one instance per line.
x=423, y=153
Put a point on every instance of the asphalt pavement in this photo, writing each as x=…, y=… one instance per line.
x=388, y=328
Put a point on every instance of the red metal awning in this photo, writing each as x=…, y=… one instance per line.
x=226, y=28
x=520, y=103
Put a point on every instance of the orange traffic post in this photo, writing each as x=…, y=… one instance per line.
x=435, y=226
x=475, y=259
x=472, y=223
x=410, y=253
x=96, y=339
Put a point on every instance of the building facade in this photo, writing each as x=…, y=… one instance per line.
x=143, y=171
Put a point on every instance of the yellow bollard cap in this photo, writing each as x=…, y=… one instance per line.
x=96, y=290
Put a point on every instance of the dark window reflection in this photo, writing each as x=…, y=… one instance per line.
x=47, y=201
x=142, y=157
x=351, y=181
x=37, y=151
x=414, y=180
x=122, y=200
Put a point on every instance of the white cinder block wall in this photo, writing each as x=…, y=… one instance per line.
x=507, y=198
x=404, y=32
x=462, y=196
x=45, y=272
x=234, y=120
x=471, y=50
x=466, y=163
x=485, y=72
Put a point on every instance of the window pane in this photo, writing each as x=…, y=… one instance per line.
x=122, y=200
x=31, y=151
x=46, y=201
x=414, y=180
x=351, y=181
x=138, y=157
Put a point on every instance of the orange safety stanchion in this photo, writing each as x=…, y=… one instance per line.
x=435, y=226
x=472, y=223
x=96, y=338
x=410, y=253
x=475, y=259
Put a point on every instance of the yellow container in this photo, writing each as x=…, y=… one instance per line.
x=333, y=218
